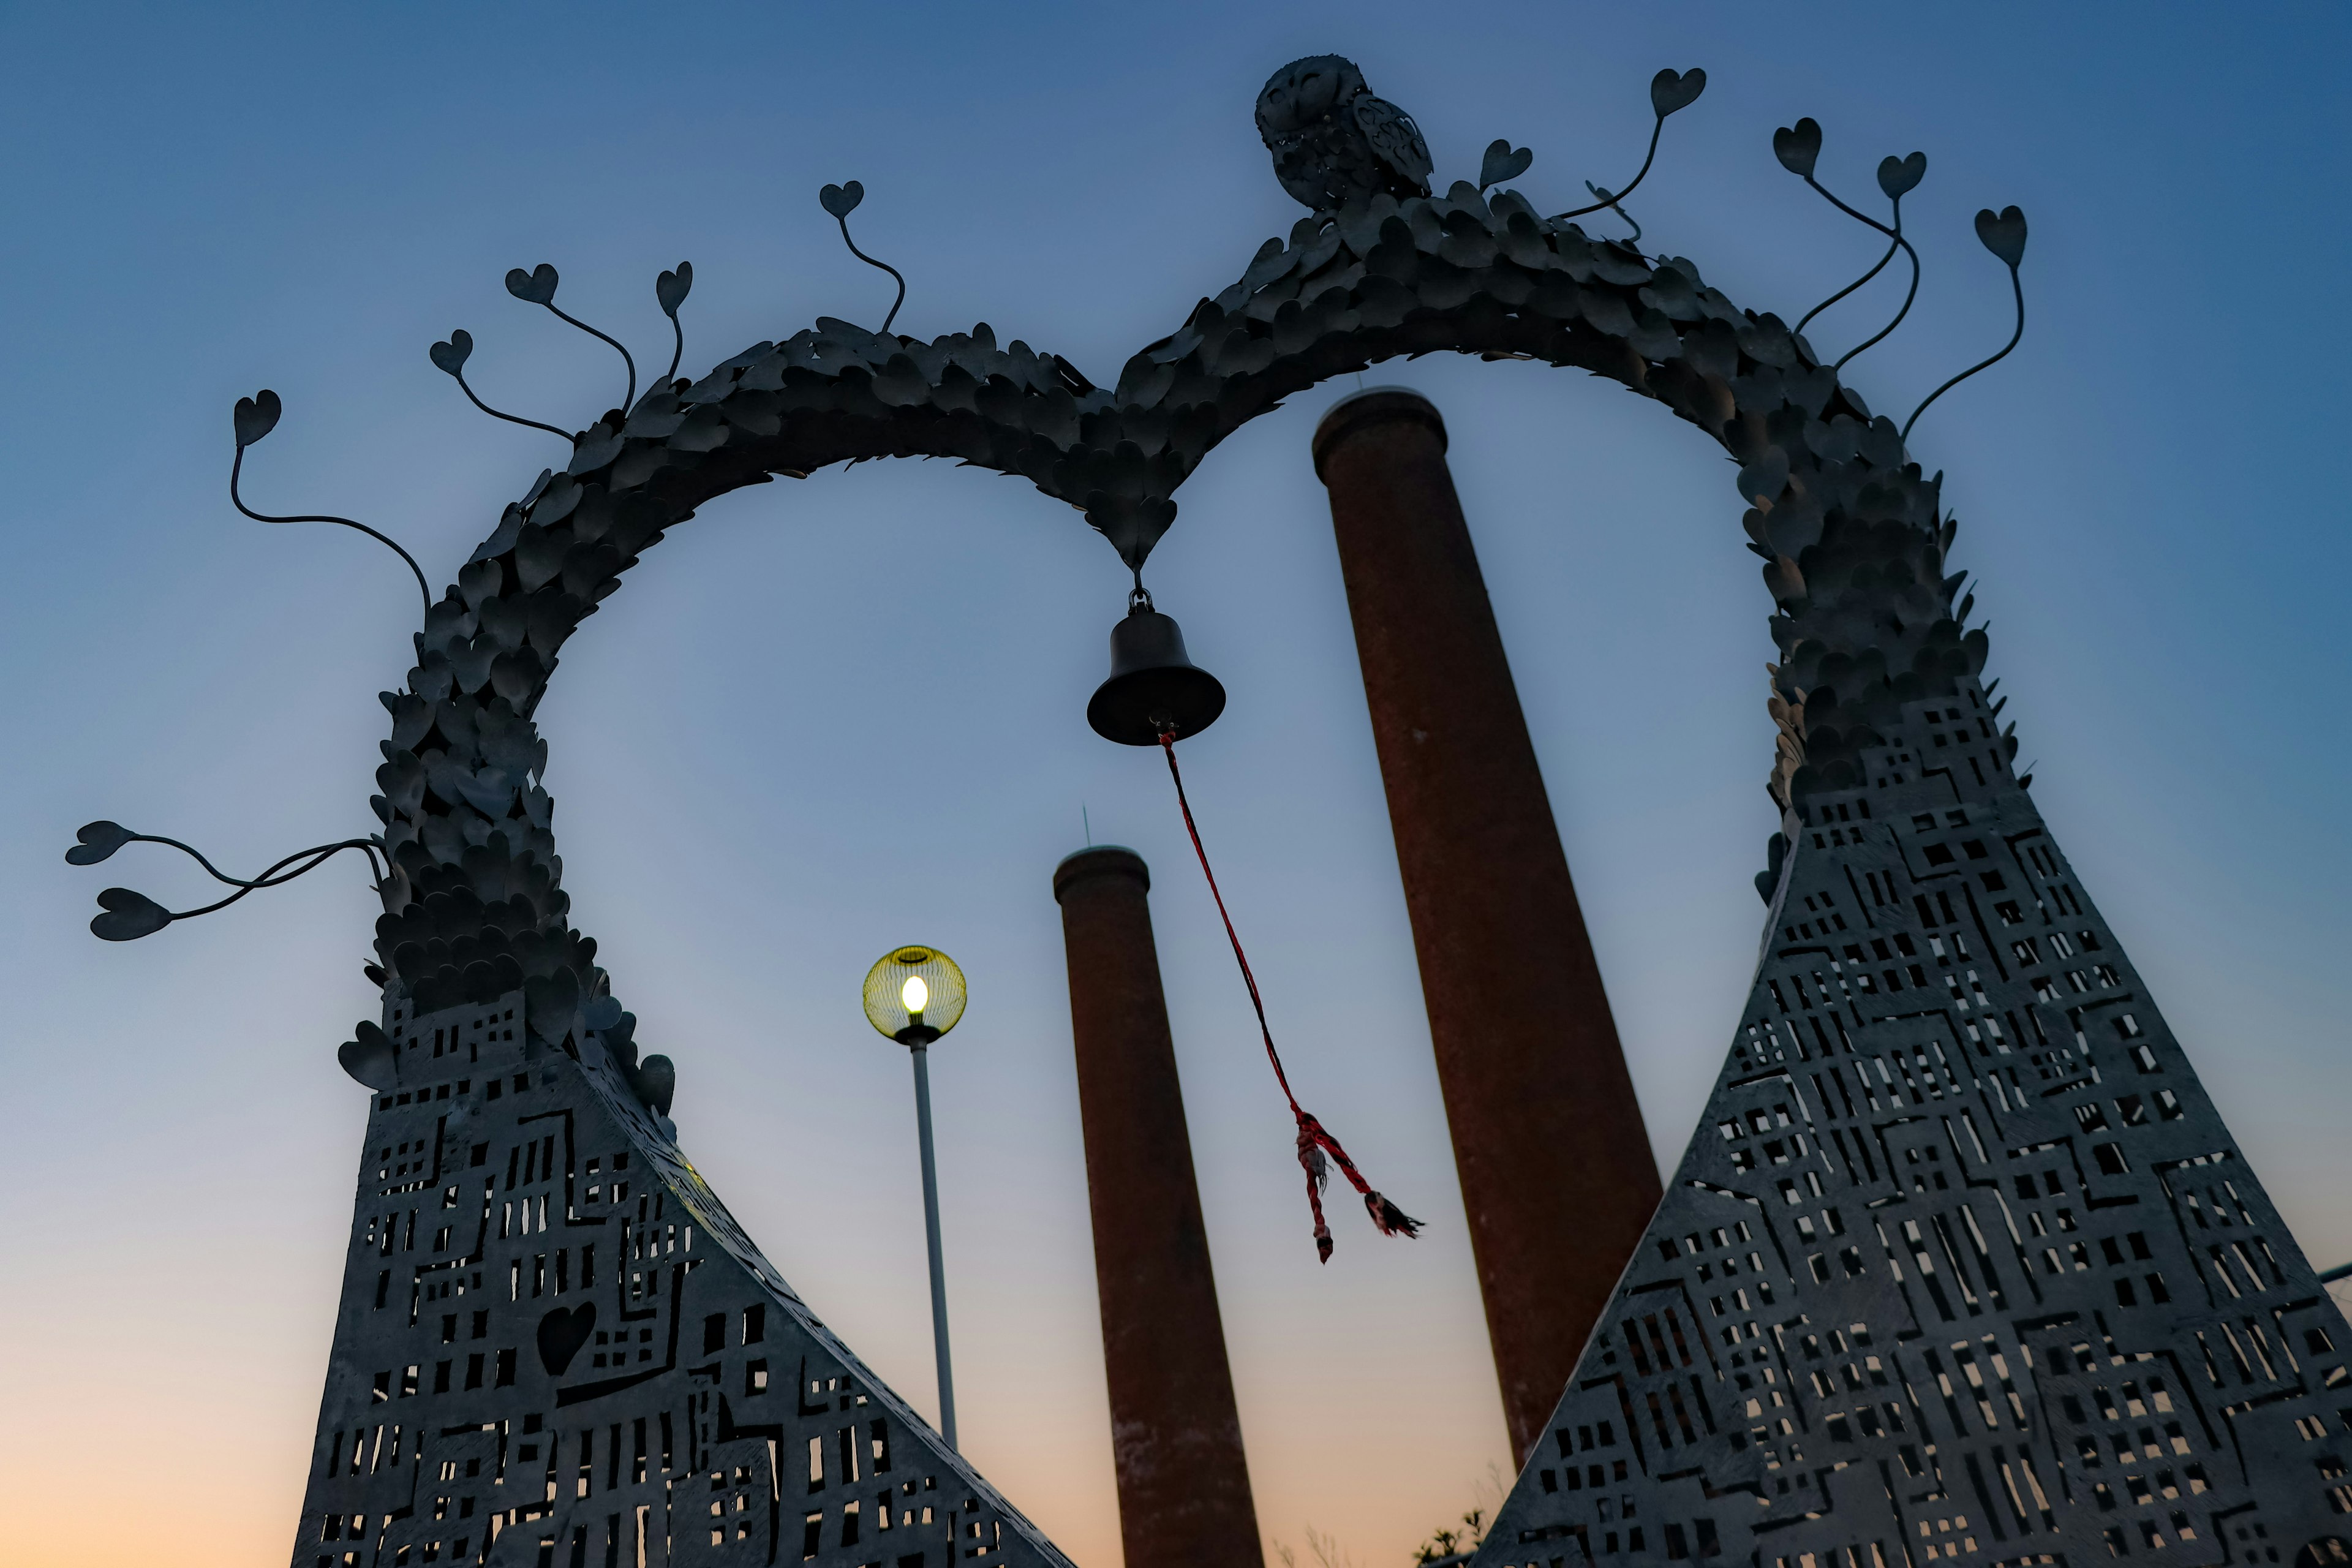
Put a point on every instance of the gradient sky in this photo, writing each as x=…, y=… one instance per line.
x=831, y=717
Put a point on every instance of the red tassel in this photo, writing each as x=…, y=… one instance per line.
x=1314, y=1141
x=1392, y=1220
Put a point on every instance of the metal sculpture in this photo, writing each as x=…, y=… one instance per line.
x=1962, y=1263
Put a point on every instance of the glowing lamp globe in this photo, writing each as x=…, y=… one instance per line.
x=914, y=994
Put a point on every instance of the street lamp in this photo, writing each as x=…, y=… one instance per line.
x=913, y=995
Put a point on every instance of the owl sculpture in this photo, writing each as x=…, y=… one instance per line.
x=1334, y=142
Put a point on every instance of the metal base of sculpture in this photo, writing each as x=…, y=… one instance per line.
x=1961, y=1264
x=556, y=1347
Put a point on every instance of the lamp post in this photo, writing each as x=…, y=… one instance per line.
x=914, y=996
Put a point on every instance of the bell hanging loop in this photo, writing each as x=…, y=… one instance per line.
x=1154, y=688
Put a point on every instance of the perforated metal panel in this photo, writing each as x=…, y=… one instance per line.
x=556, y=1347
x=1960, y=1266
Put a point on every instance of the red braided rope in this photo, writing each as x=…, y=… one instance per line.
x=1314, y=1140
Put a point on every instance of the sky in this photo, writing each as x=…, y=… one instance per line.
x=831, y=717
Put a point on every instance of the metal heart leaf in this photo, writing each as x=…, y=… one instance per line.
x=515, y=676
x=536, y=286
x=470, y=663
x=99, y=840
x=451, y=357
x=539, y=556
x=552, y=1000
x=1502, y=162
x=558, y=502
x=1799, y=147
x=593, y=451
x=412, y=718
x=1898, y=175
x=1669, y=91
x=1762, y=480
x=128, y=916
x=502, y=618
x=842, y=200
x=2003, y=233
x=478, y=582
x=671, y=288
x=655, y=1082
x=256, y=417
x=370, y=1062
x=488, y=792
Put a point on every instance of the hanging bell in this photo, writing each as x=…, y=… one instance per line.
x=1153, y=687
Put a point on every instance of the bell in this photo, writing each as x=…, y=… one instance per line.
x=1153, y=687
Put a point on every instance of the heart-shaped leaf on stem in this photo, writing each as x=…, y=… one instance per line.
x=842, y=200
x=1502, y=162
x=671, y=288
x=536, y=286
x=97, y=840
x=451, y=357
x=1671, y=90
x=256, y=417
x=1897, y=177
x=1799, y=147
x=128, y=916
x=2003, y=233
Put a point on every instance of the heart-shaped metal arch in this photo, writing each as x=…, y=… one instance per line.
x=1848, y=529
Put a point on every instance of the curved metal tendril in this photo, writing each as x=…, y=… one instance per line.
x=130, y=915
x=1610, y=203
x=269, y=878
x=1908, y=297
x=1656, y=129
x=843, y=219
x=629, y=398
x=1892, y=248
x=1894, y=233
x=678, y=352
x=1671, y=92
x=2017, y=287
x=459, y=377
x=236, y=469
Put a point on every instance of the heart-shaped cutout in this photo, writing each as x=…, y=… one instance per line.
x=1670, y=90
x=842, y=200
x=128, y=916
x=1897, y=177
x=256, y=417
x=1799, y=146
x=561, y=1333
x=451, y=357
x=99, y=840
x=2003, y=233
x=671, y=288
x=535, y=287
x=1502, y=162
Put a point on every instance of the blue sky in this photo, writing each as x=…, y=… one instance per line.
x=830, y=717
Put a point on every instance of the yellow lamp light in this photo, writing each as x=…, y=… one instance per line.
x=914, y=994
